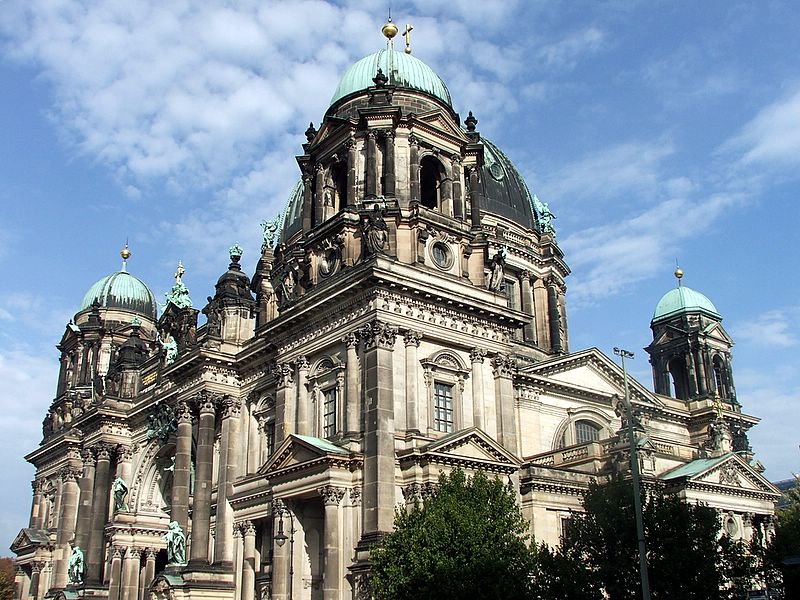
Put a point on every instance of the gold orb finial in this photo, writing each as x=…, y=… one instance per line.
x=678, y=274
x=389, y=30
x=125, y=253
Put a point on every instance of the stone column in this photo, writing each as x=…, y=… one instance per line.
x=458, y=196
x=476, y=356
x=556, y=343
x=412, y=340
x=474, y=198
x=20, y=579
x=130, y=582
x=692, y=374
x=181, y=475
x=352, y=171
x=280, y=553
x=353, y=391
x=149, y=571
x=504, y=398
x=303, y=421
x=372, y=165
x=36, y=506
x=125, y=467
x=86, y=485
x=319, y=194
x=388, y=165
x=379, y=476
x=66, y=524
x=228, y=471
x=99, y=515
x=332, y=561
x=249, y=562
x=115, y=579
x=308, y=204
x=701, y=371
x=37, y=566
x=201, y=514
x=253, y=440
x=528, y=307
x=413, y=167
x=284, y=401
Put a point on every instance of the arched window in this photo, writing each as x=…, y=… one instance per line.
x=431, y=176
x=581, y=431
x=339, y=180
x=719, y=375
x=679, y=378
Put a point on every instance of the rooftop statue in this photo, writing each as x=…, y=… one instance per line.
x=544, y=215
x=179, y=294
x=270, y=232
x=176, y=544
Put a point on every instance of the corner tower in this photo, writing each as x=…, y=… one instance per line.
x=691, y=351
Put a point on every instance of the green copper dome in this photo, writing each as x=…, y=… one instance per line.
x=683, y=300
x=404, y=71
x=123, y=291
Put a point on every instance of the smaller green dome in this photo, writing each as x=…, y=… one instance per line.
x=405, y=71
x=123, y=291
x=683, y=300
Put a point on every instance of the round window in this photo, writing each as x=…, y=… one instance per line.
x=329, y=262
x=496, y=171
x=441, y=255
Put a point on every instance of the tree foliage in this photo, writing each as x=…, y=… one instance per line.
x=786, y=541
x=6, y=578
x=466, y=541
x=687, y=556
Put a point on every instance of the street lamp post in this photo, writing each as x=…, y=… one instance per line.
x=280, y=539
x=637, y=494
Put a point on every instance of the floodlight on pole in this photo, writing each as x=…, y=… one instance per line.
x=637, y=494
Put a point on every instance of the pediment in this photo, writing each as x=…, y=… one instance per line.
x=28, y=538
x=437, y=119
x=717, y=331
x=727, y=471
x=471, y=448
x=302, y=451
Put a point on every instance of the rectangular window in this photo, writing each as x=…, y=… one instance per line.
x=443, y=406
x=269, y=433
x=329, y=412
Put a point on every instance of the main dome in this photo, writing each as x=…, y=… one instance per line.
x=123, y=291
x=403, y=70
x=683, y=300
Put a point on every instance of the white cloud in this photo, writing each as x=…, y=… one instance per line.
x=772, y=137
x=775, y=328
x=565, y=53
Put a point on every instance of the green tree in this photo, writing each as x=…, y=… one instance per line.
x=687, y=556
x=466, y=541
x=786, y=541
x=6, y=578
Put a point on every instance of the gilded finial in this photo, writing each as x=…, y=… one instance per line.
x=389, y=30
x=678, y=273
x=407, y=35
x=179, y=273
x=125, y=253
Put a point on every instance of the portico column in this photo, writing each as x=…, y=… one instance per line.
x=388, y=165
x=412, y=340
x=66, y=524
x=280, y=552
x=284, y=401
x=690, y=370
x=36, y=507
x=99, y=515
x=701, y=371
x=352, y=166
x=115, y=579
x=86, y=485
x=556, y=343
x=476, y=356
x=458, y=197
x=37, y=566
x=149, y=571
x=379, y=476
x=332, y=567
x=249, y=562
x=228, y=471
x=474, y=198
x=179, y=511
x=528, y=307
x=130, y=584
x=303, y=422
x=20, y=578
x=308, y=203
x=124, y=466
x=504, y=399
x=353, y=392
x=413, y=168
x=372, y=164
x=201, y=517
x=319, y=194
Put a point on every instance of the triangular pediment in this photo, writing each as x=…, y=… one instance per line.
x=470, y=448
x=437, y=119
x=726, y=471
x=298, y=451
x=716, y=331
x=28, y=538
x=591, y=370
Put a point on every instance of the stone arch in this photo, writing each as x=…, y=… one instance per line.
x=152, y=484
x=565, y=432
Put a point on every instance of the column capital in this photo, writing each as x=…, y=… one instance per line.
x=87, y=456
x=284, y=374
x=378, y=335
x=103, y=451
x=412, y=491
x=38, y=485
x=134, y=552
x=526, y=275
x=117, y=551
x=206, y=401
x=37, y=565
x=331, y=495
x=350, y=340
x=372, y=134
x=70, y=473
x=355, y=496
x=124, y=453
x=476, y=355
x=150, y=554
x=230, y=407
x=413, y=140
x=278, y=507
x=247, y=528
x=302, y=363
x=412, y=338
x=502, y=365
x=183, y=412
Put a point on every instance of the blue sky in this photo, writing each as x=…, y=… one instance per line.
x=654, y=130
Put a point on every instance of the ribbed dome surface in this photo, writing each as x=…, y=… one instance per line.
x=505, y=192
x=683, y=300
x=403, y=70
x=123, y=291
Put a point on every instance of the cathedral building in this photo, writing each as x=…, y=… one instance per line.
x=407, y=316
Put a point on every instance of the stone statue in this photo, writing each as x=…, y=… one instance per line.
x=120, y=491
x=270, y=232
x=213, y=315
x=375, y=232
x=76, y=567
x=176, y=544
x=288, y=286
x=170, y=350
x=497, y=268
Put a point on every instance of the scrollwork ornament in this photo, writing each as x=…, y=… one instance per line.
x=331, y=495
x=412, y=338
x=350, y=340
x=476, y=355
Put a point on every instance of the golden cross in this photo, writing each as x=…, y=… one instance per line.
x=407, y=35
